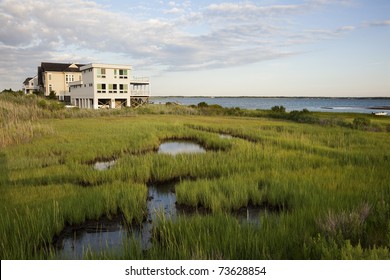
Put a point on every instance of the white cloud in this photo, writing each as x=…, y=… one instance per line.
x=247, y=7
x=32, y=31
x=378, y=23
x=174, y=11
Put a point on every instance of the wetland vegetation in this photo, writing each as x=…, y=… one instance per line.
x=313, y=185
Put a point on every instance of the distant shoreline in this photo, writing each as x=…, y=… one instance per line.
x=270, y=97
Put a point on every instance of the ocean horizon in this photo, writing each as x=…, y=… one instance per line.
x=365, y=105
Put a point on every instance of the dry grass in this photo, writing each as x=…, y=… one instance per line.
x=349, y=224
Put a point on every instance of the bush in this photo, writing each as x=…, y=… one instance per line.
x=303, y=116
x=361, y=123
x=52, y=95
x=278, y=109
x=202, y=105
x=42, y=104
x=38, y=93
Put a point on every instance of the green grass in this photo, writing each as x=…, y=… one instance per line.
x=325, y=189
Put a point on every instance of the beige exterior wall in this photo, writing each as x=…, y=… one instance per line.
x=57, y=81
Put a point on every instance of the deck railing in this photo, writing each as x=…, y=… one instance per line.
x=140, y=92
x=140, y=79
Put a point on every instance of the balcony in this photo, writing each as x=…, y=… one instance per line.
x=140, y=92
x=140, y=80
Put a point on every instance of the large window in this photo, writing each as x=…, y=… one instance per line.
x=101, y=88
x=123, y=88
x=122, y=73
x=100, y=72
x=113, y=88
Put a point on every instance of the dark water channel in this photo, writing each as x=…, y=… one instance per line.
x=97, y=236
x=112, y=234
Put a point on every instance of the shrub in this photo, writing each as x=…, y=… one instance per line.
x=42, y=104
x=202, y=105
x=303, y=116
x=278, y=109
x=38, y=93
x=52, y=95
x=361, y=123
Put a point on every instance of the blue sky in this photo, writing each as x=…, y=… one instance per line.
x=256, y=48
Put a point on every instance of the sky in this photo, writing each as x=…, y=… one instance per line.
x=208, y=48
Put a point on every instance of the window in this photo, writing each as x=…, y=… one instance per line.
x=69, y=78
x=91, y=85
x=122, y=73
x=123, y=88
x=113, y=88
x=101, y=72
x=49, y=77
x=50, y=88
x=101, y=88
x=115, y=73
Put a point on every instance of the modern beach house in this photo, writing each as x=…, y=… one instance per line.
x=108, y=86
x=91, y=85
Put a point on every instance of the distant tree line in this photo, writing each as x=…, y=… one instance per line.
x=12, y=91
x=52, y=94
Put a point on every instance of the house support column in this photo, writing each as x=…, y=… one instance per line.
x=128, y=102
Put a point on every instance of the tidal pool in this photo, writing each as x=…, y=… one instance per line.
x=98, y=236
x=180, y=147
x=112, y=234
x=95, y=236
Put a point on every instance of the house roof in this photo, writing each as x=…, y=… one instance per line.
x=27, y=80
x=60, y=67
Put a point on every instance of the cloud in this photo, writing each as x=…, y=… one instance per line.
x=377, y=23
x=174, y=10
x=231, y=34
x=251, y=9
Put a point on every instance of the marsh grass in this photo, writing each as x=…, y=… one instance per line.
x=319, y=179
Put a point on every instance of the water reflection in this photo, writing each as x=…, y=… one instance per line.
x=94, y=236
x=180, y=147
x=98, y=236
